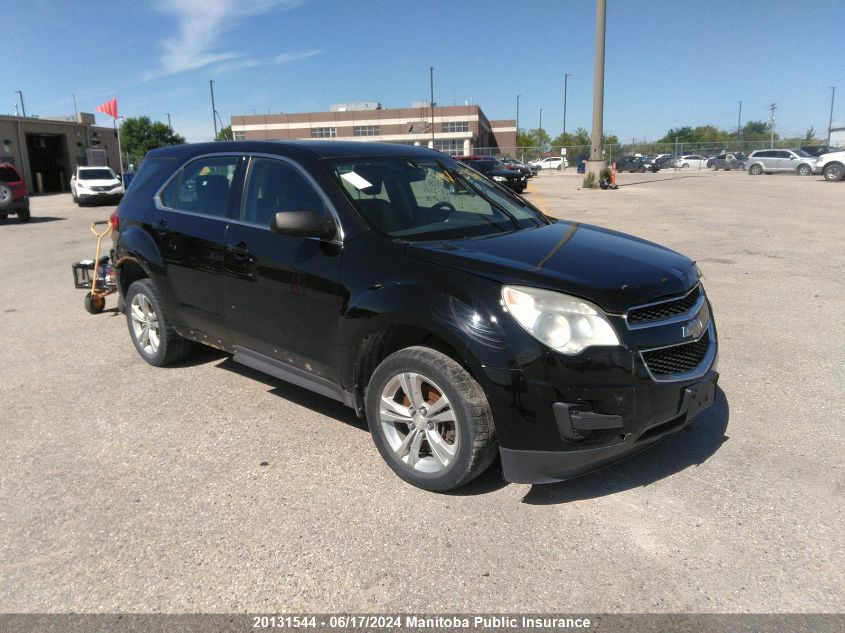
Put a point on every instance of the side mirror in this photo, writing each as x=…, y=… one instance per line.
x=303, y=223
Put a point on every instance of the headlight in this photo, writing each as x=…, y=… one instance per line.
x=80, y=185
x=500, y=179
x=566, y=324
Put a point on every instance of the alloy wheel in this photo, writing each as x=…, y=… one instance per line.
x=145, y=326
x=419, y=422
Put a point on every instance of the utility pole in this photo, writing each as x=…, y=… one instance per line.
x=23, y=107
x=772, y=109
x=517, y=126
x=541, y=119
x=596, y=163
x=830, y=120
x=431, y=81
x=75, y=109
x=565, y=86
x=213, y=108
x=739, y=120
x=168, y=121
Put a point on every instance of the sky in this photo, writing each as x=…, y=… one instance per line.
x=668, y=63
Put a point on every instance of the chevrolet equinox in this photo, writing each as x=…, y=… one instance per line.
x=461, y=321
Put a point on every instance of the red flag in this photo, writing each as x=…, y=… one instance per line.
x=109, y=107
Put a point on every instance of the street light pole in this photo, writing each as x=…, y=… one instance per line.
x=596, y=158
x=213, y=108
x=541, y=118
x=168, y=121
x=431, y=81
x=517, y=125
x=739, y=120
x=830, y=120
x=23, y=107
x=565, y=87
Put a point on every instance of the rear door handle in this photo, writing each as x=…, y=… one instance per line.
x=239, y=250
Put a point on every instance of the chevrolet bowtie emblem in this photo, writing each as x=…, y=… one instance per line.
x=693, y=329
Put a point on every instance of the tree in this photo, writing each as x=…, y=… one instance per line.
x=810, y=135
x=536, y=138
x=139, y=135
x=225, y=134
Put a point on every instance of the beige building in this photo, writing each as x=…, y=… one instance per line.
x=46, y=151
x=456, y=129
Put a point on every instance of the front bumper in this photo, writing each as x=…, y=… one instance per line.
x=537, y=467
x=99, y=196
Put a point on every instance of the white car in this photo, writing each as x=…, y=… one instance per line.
x=552, y=162
x=831, y=166
x=95, y=184
x=691, y=161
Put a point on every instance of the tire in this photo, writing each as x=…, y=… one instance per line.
x=150, y=328
x=94, y=305
x=23, y=215
x=741, y=167
x=641, y=170
x=7, y=196
x=75, y=199
x=755, y=170
x=685, y=166
x=834, y=172
x=466, y=420
x=714, y=167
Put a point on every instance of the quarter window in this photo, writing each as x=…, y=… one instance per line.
x=323, y=132
x=202, y=186
x=273, y=186
x=366, y=130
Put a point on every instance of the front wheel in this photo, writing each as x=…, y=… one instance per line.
x=23, y=215
x=755, y=170
x=151, y=331
x=430, y=419
x=834, y=173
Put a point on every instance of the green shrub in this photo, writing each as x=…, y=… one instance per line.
x=589, y=181
x=606, y=173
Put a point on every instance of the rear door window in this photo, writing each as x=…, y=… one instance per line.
x=202, y=186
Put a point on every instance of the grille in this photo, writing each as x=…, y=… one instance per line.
x=102, y=187
x=678, y=359
x=664, y=310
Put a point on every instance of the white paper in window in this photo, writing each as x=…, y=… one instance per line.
x=356, y=180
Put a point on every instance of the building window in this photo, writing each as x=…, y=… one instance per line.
x=238, y=136
x=456, y=126
x=323, y=132
x=366, y=130
x=452, y=146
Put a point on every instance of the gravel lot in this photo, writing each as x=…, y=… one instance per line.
x=129, y=488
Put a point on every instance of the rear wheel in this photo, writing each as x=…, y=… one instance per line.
x=834, y=172
x=152, y=333
x=755, y=170
x=804, y=170
x=430, y=419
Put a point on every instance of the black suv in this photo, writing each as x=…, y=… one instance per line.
x=636, y=164
x=460, y=320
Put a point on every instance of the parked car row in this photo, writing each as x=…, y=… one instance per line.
x=514, y=179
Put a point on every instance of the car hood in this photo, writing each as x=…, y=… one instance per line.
x=614, y=270
x=104, y=182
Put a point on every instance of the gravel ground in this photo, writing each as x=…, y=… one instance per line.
x=130, y=488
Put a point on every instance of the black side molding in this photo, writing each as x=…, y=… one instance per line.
x=291, y=374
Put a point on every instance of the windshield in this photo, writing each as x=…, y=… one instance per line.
x=801, y=153
x=96, y=174
x=430, y=198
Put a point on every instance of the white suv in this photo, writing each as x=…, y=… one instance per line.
x=95, y=184
x=552, y=162
x=832, y=166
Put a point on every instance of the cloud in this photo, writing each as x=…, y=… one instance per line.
x=200, y=24
x=283, y=58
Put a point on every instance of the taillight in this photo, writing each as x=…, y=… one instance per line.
x=113, y=221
